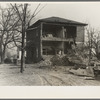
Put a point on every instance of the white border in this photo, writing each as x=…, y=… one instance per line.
x=40, y=92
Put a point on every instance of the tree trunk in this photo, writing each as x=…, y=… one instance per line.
x=22, y=54
x=23, y=37
x=3, y=55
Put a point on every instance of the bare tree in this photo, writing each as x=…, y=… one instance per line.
x=25, y=17
x=8, y=23
x=93, y=43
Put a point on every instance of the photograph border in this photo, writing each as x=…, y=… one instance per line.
x=57, y=91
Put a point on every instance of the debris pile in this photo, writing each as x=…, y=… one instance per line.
x=83, y=72
x=77, y=58
x=60, y=60
x=45, y=62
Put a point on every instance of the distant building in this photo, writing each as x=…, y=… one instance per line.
x=52, y=35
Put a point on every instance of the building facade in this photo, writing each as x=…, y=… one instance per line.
x=51, y=36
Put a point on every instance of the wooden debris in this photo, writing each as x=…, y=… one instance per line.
x=83, y=72
x=89, y=78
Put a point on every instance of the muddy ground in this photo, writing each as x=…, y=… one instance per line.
x=35, y=75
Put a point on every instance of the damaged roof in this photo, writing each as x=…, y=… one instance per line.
x=59, y=21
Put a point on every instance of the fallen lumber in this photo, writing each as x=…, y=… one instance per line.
x=83, y=72
x=89, y=78
x=79, y=72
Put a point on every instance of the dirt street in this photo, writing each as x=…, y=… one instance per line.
x=41, y=76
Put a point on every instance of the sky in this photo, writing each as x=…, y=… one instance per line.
x=86, y=12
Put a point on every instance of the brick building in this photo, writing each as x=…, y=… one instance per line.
x=52, y=35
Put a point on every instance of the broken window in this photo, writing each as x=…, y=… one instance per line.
x=70, y=32
x=51, y=31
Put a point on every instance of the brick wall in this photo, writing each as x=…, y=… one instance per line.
x=80, y=34
x=33, y=46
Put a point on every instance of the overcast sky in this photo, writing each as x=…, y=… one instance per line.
x=87, y=12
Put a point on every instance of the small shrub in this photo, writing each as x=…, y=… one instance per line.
x=7, y=60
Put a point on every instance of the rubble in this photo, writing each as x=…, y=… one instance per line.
x=72, y=58
x=75, y=58
x=80, y=60
x=45, y=62
x=89, y=78
x=90, y=71
x=60, y=60
x=80, y=72
x=83, y=72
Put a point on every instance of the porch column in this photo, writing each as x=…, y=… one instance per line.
x=63, y=35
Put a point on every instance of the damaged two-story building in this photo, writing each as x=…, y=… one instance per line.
x=51, y=36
